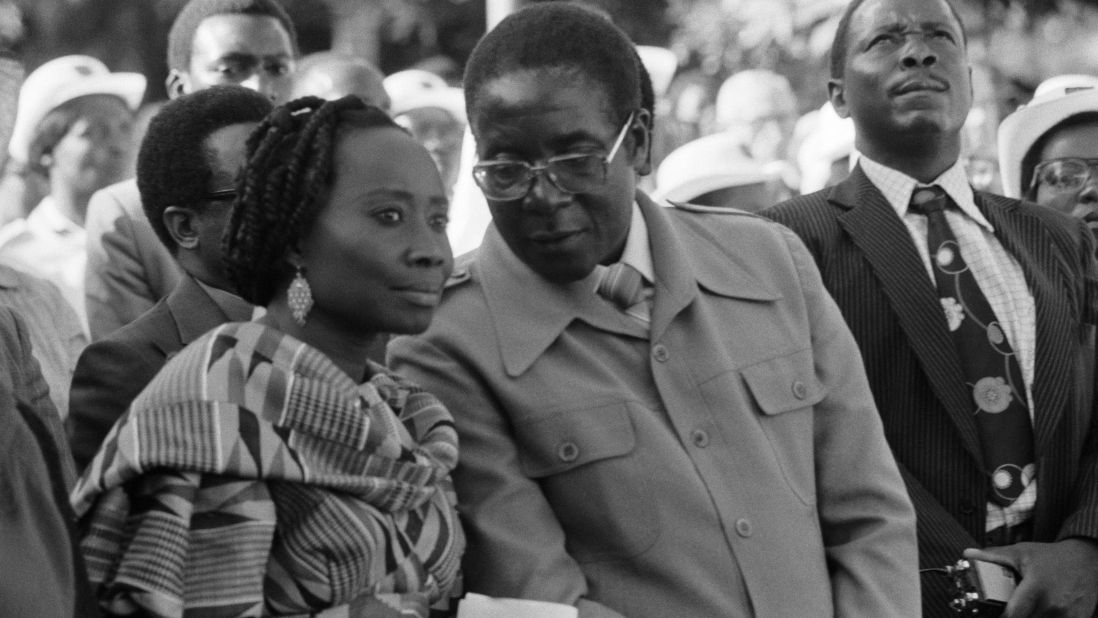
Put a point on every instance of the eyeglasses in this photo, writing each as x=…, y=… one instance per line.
x=1064, y=175
x=571, y=173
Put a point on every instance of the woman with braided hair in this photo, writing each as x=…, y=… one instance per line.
x=270, y=468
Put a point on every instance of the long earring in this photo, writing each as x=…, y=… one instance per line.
x=300, y=297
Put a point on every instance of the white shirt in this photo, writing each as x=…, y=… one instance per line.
x=51, y=246
x=998, y=274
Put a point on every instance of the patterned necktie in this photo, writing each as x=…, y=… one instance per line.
x=623, y=285
x=990, y=368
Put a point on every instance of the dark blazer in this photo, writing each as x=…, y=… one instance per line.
x=871, y=267
x=115, y=369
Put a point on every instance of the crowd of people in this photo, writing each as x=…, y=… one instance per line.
x=785, y=367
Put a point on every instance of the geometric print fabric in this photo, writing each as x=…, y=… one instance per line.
x=252, y=477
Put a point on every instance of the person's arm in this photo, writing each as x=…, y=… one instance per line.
x=41, y=570
x=866, y=517
x=515, y=545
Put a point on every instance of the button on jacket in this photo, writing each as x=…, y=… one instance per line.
x=729, y=461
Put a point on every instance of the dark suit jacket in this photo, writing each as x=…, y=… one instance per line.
x=870, y=265
x=115, y=369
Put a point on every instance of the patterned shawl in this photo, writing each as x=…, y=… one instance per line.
x=253, y=477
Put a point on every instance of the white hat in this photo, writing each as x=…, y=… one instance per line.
x=707, y=164
x=416, y=89
x=61, y=80
x=1022, y=129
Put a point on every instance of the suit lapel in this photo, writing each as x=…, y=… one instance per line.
x=1026, y=239
x=886, y=244
x=194, y=312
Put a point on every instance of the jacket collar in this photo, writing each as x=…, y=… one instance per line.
x=529, y=312
x=196, y=313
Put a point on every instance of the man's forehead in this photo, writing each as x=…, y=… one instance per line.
x=888, y=14
x=250, y=35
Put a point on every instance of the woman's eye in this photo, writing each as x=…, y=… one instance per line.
x=389, y=215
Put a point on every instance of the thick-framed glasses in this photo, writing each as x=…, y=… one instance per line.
x=1063, y=175
x=571, y=173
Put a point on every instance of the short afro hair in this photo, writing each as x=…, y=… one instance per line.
x=558, y=35
x=842, y=33
x=284, y=186
x=181, y=36
x=173, y=163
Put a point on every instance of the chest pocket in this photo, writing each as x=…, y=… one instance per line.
x=586, y=463
x=785, y=389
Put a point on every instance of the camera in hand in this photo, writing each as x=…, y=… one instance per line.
x=980, y=588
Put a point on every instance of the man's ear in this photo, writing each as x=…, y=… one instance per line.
x=642, y=142
x=837, y=94
x=181, y=226
x=176, y=83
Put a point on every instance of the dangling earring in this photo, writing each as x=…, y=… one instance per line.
x=299, y=297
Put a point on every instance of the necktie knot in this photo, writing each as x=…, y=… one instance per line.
x=928, y=200
x=622, y=285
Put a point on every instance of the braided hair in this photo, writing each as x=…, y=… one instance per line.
x=283, y=187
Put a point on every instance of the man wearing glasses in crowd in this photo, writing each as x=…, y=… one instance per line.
x=660, y=410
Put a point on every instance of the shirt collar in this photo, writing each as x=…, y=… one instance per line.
x=898, y=186
x=637, y=252
x=48, y=216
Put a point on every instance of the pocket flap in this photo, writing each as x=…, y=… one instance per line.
x=784, y=383
x=573, y=438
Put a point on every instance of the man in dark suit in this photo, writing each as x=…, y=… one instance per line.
x=186, y=172
x=898, y=68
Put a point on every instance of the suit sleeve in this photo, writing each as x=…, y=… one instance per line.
x=127, y=271
x=866, y=517
x=515, y=546
x=1083, y=520
x=41, y=569
x=108, y=376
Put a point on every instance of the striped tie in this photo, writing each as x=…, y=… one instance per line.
x=623, y=285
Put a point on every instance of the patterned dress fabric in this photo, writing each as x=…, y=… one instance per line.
x=989, y=363
x=253, y=477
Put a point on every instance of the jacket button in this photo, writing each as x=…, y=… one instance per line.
x=800, y=391
x=967, y=508
x=700, y=438
x=743, y=527
x=568, y=452
x=660, y=353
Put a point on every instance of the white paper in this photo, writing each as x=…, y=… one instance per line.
x=479, y=606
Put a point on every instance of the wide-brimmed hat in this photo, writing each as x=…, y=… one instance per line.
x=61, y=80
x=708, y=164
x=1058, y=100
x=416, y=89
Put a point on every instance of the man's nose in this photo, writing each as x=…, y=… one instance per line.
x=545, y=195
x=916, y=53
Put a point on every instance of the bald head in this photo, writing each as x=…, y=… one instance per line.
x=331, y=75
